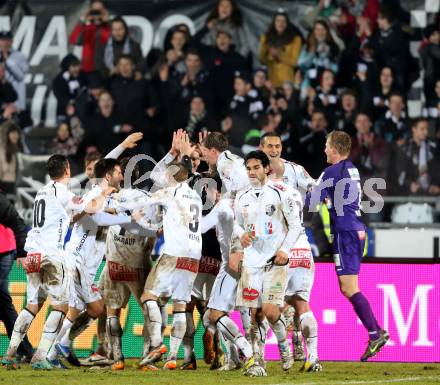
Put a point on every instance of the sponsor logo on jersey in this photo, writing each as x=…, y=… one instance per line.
x=81, y=242
x=270, y=209
x=32, y=263
x=279, y=187
x=124, y=240
x=251, y=230
x=94, y=288
x=362, y=235
x=209, y=265
x=268, y=230
x=250, y=294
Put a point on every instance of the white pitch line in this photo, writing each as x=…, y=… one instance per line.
x=393, y=380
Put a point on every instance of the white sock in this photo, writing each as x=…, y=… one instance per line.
x=309, y=328
x=177, y=333
x=50, y=331
x=164, y=315
x=21, y=327
x=246, y=322
x=188, y=340
x=258, y=335
x=154, y=323
x=279, y=329
x=232, y=333
x=64, y=331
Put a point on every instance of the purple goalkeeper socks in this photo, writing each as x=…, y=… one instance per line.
x=365, y=313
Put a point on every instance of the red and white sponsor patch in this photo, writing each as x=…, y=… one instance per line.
x=279, y=187
x=362, y=235
x=94, y=288
x=300, y=258
x=32, y=263
x=209, y=265
x=188, y=264
x=118, y=272
x=250, y=294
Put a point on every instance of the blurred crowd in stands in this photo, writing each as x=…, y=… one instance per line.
x=346, y=66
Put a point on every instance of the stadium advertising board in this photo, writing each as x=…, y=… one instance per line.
x=405, y=298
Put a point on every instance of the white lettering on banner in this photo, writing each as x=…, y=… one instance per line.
x=420, y=299
x=57, y=30
x=24, y=35
x=146, y=31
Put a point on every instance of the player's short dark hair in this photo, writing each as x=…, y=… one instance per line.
x=340, y=141
x=56, y=166
x=216, y=140
x=258, y=155
x=105, y=166
x=416, y=121
x=179, y=171
x=91, y=157
x=269, y=135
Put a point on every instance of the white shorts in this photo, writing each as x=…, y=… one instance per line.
x=301, y=274
x=208, y=269
x=172, y=277
x=223, y=292
x=83, y=289
x=47, y=277
x=260, y=285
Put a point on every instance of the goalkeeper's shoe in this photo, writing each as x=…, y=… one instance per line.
x=374, y=346
x=311, y=366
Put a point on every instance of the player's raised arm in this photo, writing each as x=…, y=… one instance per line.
x=129, y=142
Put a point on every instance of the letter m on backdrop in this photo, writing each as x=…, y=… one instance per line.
x=393, y=309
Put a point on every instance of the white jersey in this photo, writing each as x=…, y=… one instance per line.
x=232, y=172
x=297, y=177
x=83, y=248
x=53, y=206
x=182, y=212
x=272, y=216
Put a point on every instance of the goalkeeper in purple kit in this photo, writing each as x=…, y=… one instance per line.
x=339, y=189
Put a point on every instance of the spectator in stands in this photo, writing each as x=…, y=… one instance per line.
x=92, y=33
x=244, y=109
x=175, y=47
x=312, y=144
x=390, y=45
x=345, y=116
x=380, y=93
x=262, y=85
x=12, y=239
x=105, y=130
x=222, y=61
x=135, y=100
x=70, y=133
x=327, y=10
x=319, y=53
x=280, y=48
x=326, y=98
x=67, y=84
x=177, y=89
x=369, y=152
x=226, y=16
x=393, y=126
x=10, y=145
x=86, y=101
x=418, y=162
x=199, y=120
x=119, y=43
x=16, y=66
x=7, y=92
x=430, y=58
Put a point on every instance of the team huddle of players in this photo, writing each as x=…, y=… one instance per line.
x=233, y=239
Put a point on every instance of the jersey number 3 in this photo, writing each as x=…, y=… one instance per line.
x=39, y=213
x=194, y=224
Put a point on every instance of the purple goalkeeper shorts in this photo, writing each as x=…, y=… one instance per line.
x=348, y=249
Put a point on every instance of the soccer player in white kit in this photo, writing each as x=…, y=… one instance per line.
x=233, y=175
x=85, y=260
x=45, y=263
x=268, y=224
x=301, y=266
x=176, y=269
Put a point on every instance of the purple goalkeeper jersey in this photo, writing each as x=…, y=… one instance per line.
x=339, y=187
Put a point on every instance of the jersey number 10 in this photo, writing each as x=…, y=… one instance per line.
x=39, y=213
